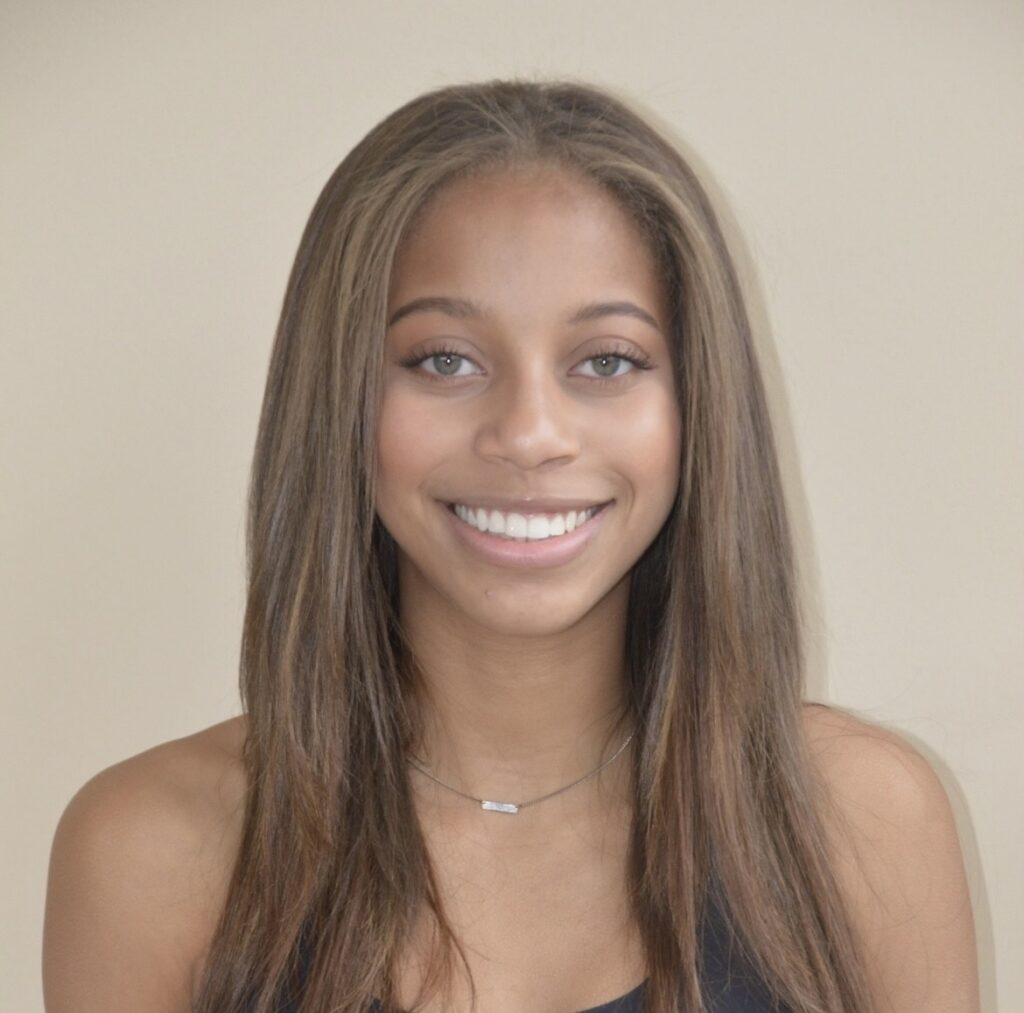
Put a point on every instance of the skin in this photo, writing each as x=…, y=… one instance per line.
x=524, y=668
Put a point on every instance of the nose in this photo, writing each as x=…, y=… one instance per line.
x=528, y=420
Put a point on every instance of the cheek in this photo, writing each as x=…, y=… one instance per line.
x=411, y=443
x=649, y=442
x=398, y=444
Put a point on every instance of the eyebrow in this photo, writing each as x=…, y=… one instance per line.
x=466, y=309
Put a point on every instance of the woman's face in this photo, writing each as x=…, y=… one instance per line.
x=515, y=309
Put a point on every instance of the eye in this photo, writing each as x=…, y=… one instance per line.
x=446, y=362
x=607, y=364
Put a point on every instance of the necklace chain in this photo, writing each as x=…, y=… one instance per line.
x=514, y=807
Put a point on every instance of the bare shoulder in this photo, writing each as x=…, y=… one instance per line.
x=868, y=765
x=139, y=868
x=899, y=863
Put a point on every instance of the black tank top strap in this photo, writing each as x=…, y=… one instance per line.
x=729, y=982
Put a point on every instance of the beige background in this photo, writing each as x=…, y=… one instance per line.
x=159, y=162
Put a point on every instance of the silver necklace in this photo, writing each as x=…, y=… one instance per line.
x=514, y=807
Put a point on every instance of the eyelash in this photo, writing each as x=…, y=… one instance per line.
x=637, y=361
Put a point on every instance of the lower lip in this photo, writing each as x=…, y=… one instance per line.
x=552, y=551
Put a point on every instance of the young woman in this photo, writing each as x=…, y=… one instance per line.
x=521, y=667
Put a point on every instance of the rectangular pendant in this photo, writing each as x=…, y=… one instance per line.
x=500, y=807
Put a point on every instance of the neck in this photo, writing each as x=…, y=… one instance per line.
x=512, y=718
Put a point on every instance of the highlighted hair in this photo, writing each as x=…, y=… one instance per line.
x=333, y=870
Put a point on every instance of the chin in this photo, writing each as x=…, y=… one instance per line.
x=515, y=613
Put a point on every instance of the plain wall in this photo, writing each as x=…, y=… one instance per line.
x=159, y=162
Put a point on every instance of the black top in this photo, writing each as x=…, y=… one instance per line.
x=729, y=984
x=631, y=1002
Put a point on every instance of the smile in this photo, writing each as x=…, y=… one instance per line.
x=523, y=527
x=543, y=540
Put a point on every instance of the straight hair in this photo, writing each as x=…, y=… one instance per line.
x=333, y=870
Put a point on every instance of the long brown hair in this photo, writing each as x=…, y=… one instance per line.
x=332, y=868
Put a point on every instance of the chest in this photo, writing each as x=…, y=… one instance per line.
x=543, y=916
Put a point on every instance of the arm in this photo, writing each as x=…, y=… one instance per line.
x=128, y=905
x=899, y=866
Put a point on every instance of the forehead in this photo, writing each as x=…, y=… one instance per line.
x=539, y=228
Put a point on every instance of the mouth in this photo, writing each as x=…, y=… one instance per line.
x=513, y=526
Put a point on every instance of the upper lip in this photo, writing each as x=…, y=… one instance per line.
x=529, y=504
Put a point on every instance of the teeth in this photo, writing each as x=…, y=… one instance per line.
x=519, y=527
x=538, y=527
